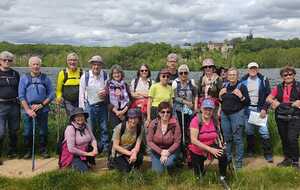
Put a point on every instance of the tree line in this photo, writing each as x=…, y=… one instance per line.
x=269, y=53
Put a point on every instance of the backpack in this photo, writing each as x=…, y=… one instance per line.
x=110, y=157
x=66, y=77
x=190, y=85
x=136, y=80
x=41, y=82
x=87, y=77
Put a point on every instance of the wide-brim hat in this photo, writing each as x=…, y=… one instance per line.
x=97, y=59
x=208, y=62
x=77, y=111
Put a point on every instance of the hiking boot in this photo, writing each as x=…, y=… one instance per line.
x=269, y=158
x=27, y=155
x=12, y=154
x=285, y=163
x=45, y=154
x=224, y=183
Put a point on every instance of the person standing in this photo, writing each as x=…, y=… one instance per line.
x=234, y=99
x=9, y=104
x=171, y=65
x=67, y=88
x=93, y=98
x=35, y=94
x=285, y=100
x=258, y=88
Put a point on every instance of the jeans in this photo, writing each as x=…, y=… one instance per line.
x=41, y=122
x=289, y=135
x=250, y=128
x=69, y=106
x=10, y=118
x=98, y=117
x=232, y=126
x=158, y=166
x=79, y=165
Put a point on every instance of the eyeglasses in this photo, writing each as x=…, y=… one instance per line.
x=288, y=74
x=144, y=71
x=183, y=73
x=165, y=112
x=165, y=76
x=211, y=66
x=7, y=60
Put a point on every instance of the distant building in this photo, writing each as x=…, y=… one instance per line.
x=224, y=48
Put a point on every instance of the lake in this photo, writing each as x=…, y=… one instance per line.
x=272, y=74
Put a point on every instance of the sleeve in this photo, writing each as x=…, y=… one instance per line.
x=71, y=144
x=219, y=84
x=116, y=133
x=174, y=85
x=150, y=137
x=194, y=123
x=22, y=88
x=82, y=91
x=245, y=93
x=267, y=92
x=59, y=84
x=200, y=87
x=94, y=141
x=50, y=90
x=177, y=139
x=132, y=86
x=172, y=93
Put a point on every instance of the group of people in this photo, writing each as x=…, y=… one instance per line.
x=173, y=119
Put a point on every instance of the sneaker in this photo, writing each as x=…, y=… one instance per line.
x=224, y=183
x=285, y=163
x=27, y=155
x=269, y=158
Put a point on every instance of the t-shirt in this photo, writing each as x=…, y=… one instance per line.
x=128, y=138
x=142, y=86
x=207, y=135
x=286, y=93
x=252, y=86
x=160, y=93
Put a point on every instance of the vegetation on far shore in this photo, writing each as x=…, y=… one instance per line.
x=270, y=53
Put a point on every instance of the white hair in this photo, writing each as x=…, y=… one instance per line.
x=34, y=58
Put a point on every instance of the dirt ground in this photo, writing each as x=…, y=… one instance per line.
x=21, y=168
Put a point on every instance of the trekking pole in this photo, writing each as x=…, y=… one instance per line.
x=182, y=125
x=33, y=142
x=58, y=118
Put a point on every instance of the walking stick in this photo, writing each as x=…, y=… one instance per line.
x=182, y=125
x=33, y=142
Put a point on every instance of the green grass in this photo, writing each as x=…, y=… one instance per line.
x=267, y=178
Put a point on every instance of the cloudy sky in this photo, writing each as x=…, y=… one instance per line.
x=124, y=22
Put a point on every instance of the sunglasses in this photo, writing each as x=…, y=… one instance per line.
x=208, y=67
x=183, y=73
x=288, y=74
x=165, y=76
x=7, y=60
x=144, y=71
x=165, y=112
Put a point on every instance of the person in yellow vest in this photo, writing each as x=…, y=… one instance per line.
x=67, y=88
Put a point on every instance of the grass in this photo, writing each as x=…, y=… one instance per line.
x=267, y=178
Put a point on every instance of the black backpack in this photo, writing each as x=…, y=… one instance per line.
x=110, y=157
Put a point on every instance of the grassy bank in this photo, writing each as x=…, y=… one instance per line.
x=275, y=178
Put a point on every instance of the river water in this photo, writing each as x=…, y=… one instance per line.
x=272, y=74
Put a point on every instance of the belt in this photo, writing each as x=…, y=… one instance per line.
x=9, y=100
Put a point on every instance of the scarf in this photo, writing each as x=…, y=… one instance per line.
x=207, y=83
x=118, y=94
x=79, y=128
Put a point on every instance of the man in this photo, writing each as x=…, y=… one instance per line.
x=35, y=94
x=258, y=88
x=172, y=67
x=9, y=105
x=234, y=99
x=93, y=98
x=67, y=89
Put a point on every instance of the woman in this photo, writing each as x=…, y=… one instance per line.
x=163, y=138
x=206, y=141
x=234, y=99
x=184, y=102
x=75, y=146
x=222, y=72
x=210, y=83
x=127, y=139
x=285, y=100
x=118, y=95
x=159, y=92
x=139, y=88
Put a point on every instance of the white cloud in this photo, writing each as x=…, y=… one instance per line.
x=123, y=22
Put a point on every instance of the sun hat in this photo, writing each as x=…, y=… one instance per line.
x=77, y=111
x=208, y=62
x=96, y=59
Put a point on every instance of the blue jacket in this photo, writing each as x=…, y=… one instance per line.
x=263, y=91
x=35, y=91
